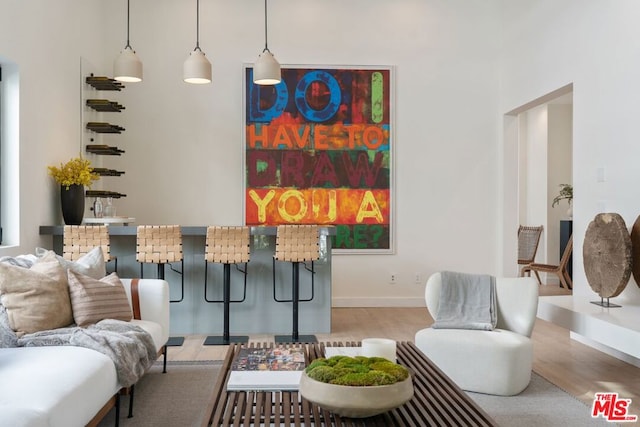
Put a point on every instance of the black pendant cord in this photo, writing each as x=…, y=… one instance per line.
x=128, y=45
x=197, y=26
x=266, y=48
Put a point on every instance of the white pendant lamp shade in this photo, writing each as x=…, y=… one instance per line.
x=266, y=70
x=127, y=66
x=197, y=68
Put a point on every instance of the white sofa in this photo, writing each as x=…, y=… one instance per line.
x=66, y=386
x=495, y=362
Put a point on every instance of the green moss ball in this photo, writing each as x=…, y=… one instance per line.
x=356, y=371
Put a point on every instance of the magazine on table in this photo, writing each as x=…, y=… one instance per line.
x=269, y=368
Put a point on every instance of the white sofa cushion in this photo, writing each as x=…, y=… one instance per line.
x=154, y=329
x=53, y=386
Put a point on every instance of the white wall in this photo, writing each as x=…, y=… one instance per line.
x=533, y=144
x=40, y=51
x=183, y=158
x=559, y=165
x=594, y=45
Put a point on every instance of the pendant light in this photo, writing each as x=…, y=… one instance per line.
x=127, y=66
x=197, y=68
x=266, y=70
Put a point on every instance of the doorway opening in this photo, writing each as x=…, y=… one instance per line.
x=538, y=159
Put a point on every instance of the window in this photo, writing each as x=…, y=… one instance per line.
x=0, y=156
x=9, y=153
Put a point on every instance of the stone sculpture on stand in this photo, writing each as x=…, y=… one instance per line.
x=607, y=256
x=635, y=251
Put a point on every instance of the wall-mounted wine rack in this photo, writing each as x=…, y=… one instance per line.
x=103, y=83
x=104, y=194
x=96, y=105
x=107, y=172
x=104, y=105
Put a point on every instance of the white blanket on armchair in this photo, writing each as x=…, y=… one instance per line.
x=467, y=301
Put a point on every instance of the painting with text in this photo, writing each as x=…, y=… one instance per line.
x=318, y=151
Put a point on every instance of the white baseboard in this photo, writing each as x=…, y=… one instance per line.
x=378, y=302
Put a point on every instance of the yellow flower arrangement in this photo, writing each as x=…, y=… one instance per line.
x=75, y=171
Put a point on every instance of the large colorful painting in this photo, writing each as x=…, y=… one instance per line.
x=318, y=151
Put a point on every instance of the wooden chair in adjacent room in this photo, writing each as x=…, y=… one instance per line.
x=78, y=240
x=528, y=240
x=559, y=270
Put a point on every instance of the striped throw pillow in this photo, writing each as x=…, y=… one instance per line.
x=94, y=300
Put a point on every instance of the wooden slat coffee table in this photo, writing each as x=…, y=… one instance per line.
x=437, y=400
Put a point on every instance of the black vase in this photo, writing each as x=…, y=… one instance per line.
x=72, y=201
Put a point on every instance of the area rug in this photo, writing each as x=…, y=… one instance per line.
x=540, y=404
x=177, y=398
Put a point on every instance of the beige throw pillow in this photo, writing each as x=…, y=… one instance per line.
x=94, y=300
x=37, y=298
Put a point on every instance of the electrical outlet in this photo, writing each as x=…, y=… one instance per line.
x=393, y=278
x=418, y=278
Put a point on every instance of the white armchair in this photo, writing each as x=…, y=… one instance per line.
x=494, y=362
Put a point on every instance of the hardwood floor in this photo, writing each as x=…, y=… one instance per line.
x=576, y=368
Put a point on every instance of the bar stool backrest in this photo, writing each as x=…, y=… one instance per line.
x=78, y=240
x=159, y=244
x=297, y=243
x=227, y=245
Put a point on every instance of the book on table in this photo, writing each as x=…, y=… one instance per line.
x=269, y=368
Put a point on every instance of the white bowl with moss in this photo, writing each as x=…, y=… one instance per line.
x=356, y=387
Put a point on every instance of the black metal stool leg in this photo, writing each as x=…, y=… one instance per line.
x=295, y=292
x=295, y=300
x=226, y=337
x=173, y=341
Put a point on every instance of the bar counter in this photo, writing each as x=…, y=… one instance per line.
x=259, y=313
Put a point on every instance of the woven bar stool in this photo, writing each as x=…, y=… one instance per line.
x=161, y=245
x=226, y=245
x=296, y=244
x=78, y=240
